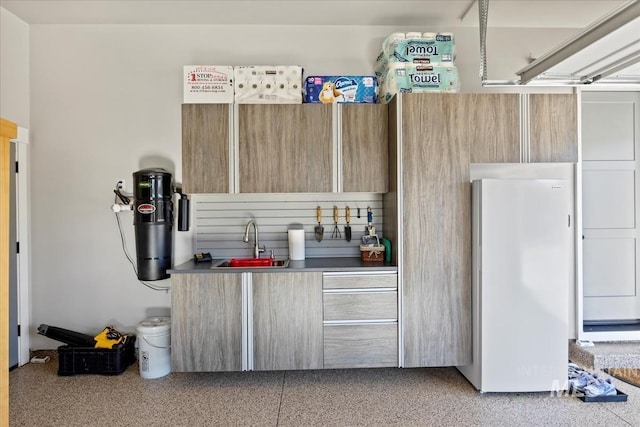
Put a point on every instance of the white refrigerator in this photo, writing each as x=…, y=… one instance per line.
x=521, y=236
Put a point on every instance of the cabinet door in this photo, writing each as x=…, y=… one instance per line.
x=553, y=128
x=491, y=121
x=285, y=148
x=287, y=321
x=206, y=322
x=205, y=148
x=365, y=164
x=436, y=219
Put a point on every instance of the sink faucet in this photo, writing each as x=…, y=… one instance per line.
x=256, y=248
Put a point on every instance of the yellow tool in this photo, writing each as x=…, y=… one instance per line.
x=108, y=338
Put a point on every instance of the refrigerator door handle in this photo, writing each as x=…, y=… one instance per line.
x=569, y=220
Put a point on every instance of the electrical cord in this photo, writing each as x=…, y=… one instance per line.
x=133, y=265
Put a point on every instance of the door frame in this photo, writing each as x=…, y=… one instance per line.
x=8, y=131
x=582, y=334
x=23, y=236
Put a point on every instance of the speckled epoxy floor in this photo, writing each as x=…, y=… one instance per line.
x=354, y=397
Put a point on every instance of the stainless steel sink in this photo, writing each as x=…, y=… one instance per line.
x=253, y=263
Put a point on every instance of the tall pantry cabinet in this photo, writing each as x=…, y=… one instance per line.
x=433, y=139
x=429, y=189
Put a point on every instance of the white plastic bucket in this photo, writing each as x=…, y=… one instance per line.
x=154, y=347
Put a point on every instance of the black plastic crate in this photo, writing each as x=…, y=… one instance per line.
x=619, y=397
x=101, y=361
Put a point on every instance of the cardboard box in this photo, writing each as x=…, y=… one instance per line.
x=341, y=89
x=208, y=84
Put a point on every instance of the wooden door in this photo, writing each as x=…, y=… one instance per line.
x=553, y=121
x=365, y=161
x=491, y=121
x=285, y=148
x=611, y=206
x=206, y=322
x=436, y=222
x=205, y=148
x=287, y=321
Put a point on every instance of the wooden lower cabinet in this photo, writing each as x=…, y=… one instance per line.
x=206, y=322
x=360, y=320
x=293, y=320
x=287, y=321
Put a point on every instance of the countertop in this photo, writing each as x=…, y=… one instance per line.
x=309, y=264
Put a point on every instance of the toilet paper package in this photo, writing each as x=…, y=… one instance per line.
x=341, y=89
x=273, y=84
x=208, y=84
x=402, y=77
x=429, y=48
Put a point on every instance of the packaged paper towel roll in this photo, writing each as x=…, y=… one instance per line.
x=296, y=242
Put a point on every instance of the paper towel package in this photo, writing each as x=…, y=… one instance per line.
x=431, y=49
x=296, y=242
x=341, y=89
x=208, y=84
x=418, y=79
x=266, y=84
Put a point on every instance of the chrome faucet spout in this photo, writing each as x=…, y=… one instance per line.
x=256, y=248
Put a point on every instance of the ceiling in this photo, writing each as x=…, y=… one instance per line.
x=442, y=14
x=435, y=13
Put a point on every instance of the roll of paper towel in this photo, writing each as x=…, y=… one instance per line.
x=296, y=244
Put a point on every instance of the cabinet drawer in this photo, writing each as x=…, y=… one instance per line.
x=360, y=281
x=360, y=305
x=360, y=346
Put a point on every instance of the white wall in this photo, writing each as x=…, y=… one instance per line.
x=105, y=101
x=14, y=69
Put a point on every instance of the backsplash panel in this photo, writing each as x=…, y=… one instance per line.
x=219, y=221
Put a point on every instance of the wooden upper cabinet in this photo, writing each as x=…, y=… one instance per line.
x=205, y=148
x=285, y=148
x=365, y=160
x=491, y=122
x=553, y=128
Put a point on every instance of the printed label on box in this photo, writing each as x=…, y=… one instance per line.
x=208, y=84
x=437, y=49
x=416, y=79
